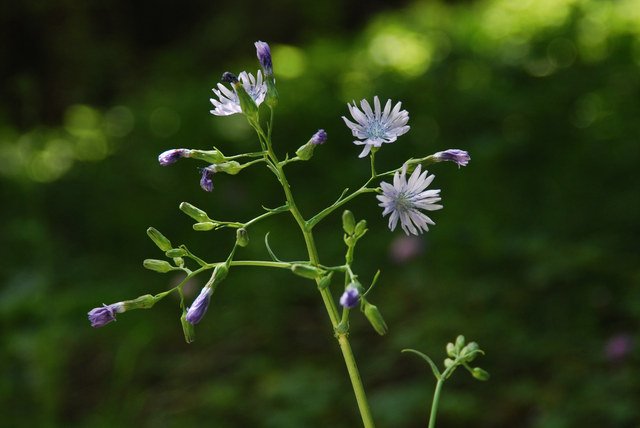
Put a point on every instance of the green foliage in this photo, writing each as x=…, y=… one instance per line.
x=534, y=254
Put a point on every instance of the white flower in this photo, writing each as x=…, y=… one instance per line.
x=375, y=127
x=404, y=200
x=228, y=103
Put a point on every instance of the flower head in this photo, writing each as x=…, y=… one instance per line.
x=103, y=315
x=199, y=307
x=350, y=297
x=228, y=102
x=460, y=157
x=264, y=56
x=206, y=181
x=171, y=156
x=319, y=137
x=377, y=126
x=404, y=199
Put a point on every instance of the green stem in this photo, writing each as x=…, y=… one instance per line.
x=261, y=263
x=434, y=405
x=327, y=298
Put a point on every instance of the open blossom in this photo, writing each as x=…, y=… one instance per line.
x=228, y=102
x=404, y=199
x=101, y=316
x=350, y=297
x=377, y=126
x=199, y=307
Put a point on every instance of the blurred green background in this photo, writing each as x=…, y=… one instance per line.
x=535, y=254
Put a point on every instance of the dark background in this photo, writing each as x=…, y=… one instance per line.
x=535, y=254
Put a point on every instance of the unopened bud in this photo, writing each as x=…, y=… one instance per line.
x=188, y=329
x=459, y=343
x=480, y=374
x=242, y=237
x=348, y=222
x=305, y=152
x=194, y=212
x=161, y=266
x=361, y=228
x=306, y=271
x=230, y=167
x=451, y=350
x=142, y=302
x=176, y=252
x=325, y=281
x=159, y=239
x=203, y=227
x=375, y=319
x=448, y=362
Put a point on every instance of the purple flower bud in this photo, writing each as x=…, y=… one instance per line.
x=171, y=156
x=206, y=182
x=350, y=297
x=460, y=157
x=199, y=307
x=228, y=77
x=264, y=56
x=319, y=137
x=102, y=316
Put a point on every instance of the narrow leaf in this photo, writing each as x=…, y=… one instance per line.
x=434, y=368
x=271, y=253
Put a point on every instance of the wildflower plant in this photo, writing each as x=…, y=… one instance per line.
x=406, y=198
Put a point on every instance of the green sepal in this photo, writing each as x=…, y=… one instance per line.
x=247, y=104
x=242, y=237
x=204, y=226
x=159, y=239
x=230, y=167
x=194, y=212
x=161, y=266
x=142, y=302
x=210, y=156
x=305, y=152
x=188, y=329
x=325, y=281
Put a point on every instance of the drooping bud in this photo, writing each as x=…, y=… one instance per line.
x=170, y=157
x=211, y=156
x=194, y=212
x=230, y=167
x=101, y=316
x=480, y=374
x=350, y=297
x=307, y=271
x=159, y=239
x=176, y=252
x=242, y=237
x=460, y=157
x=206, y=181
x=204, y=226
x=199, y=307
x=161, y=266
x=375, y=319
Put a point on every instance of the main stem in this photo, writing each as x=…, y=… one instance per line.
x=329, y=304
x=434, y=404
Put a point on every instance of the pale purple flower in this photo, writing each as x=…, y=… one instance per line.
x=377, y=126
x=228, y=103
x=171, y=156
x=319, y=137
x=103, y=315
x=350, y=297
x=206, y=181
x=264, y=56
x=404, y=199
x=199, y=307
x=460, y=157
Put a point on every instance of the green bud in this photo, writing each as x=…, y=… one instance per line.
x=348, y=222
x=459, y=343
x=194, y=212
x=325, y=281
x=188, y=329
x=305, y=152
x=203, y=227
x=242, y=237
x=451, y=350
x=361, y=228
x=479, y=374
x=159, y=239
x=375, y=318
x=176, y=252
x=210, y=156
x=470, y=351
x=230, y=167
x=219, y=274
x=247, y=104
x=179, y=261
x=157, y=265
x=142, y=302
x=448, y=362
x=307, y=271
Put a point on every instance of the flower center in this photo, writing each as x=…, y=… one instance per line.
x=376, y=130
x=403, y=203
